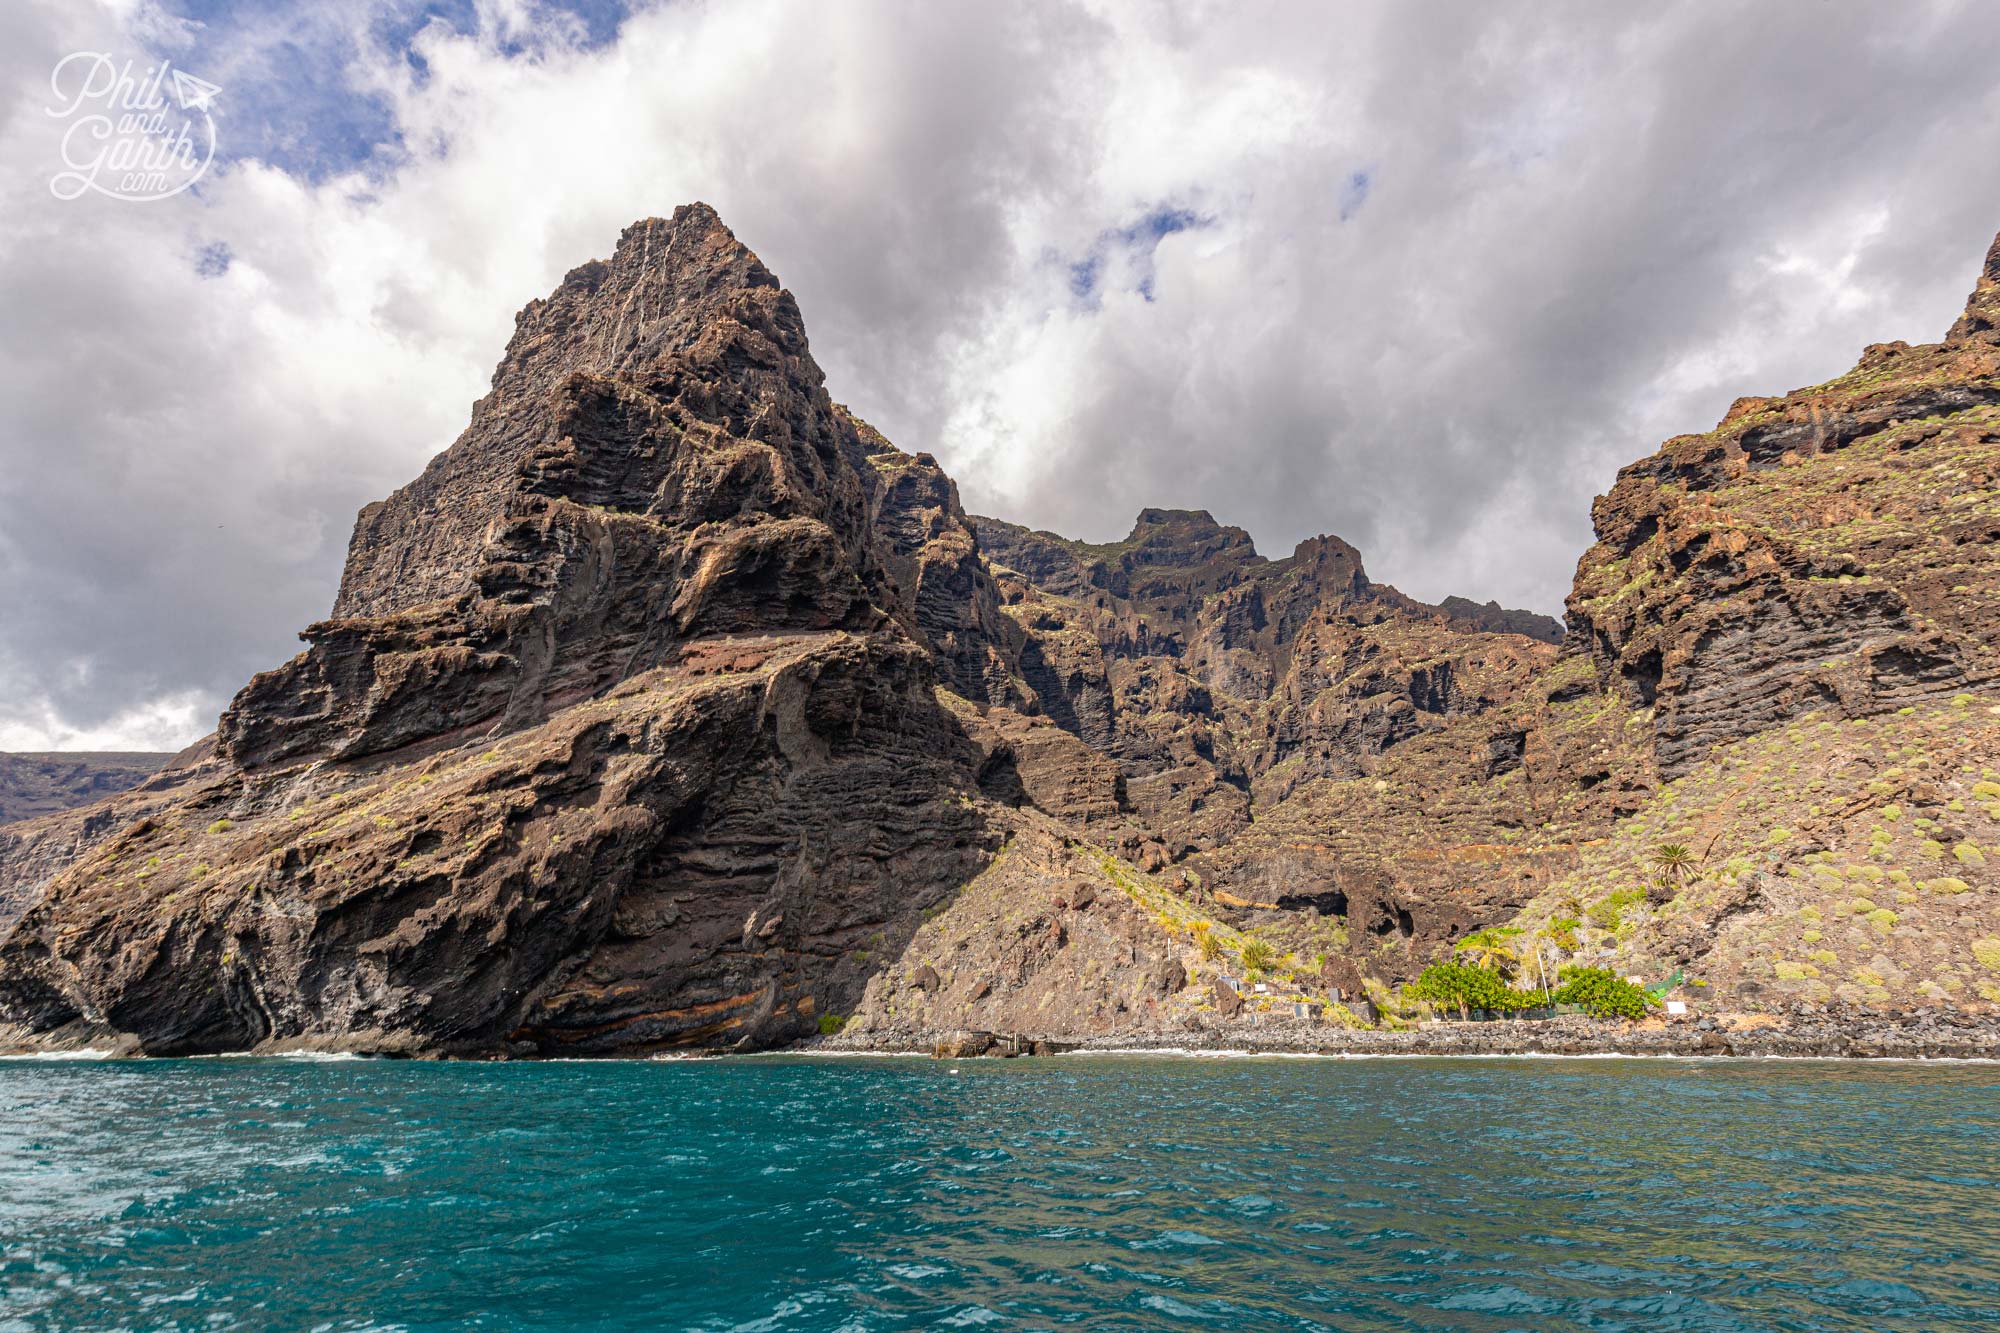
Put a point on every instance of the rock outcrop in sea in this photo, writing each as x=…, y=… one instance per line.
x=672, y=706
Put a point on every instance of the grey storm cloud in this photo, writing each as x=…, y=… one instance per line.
x=1422, y=276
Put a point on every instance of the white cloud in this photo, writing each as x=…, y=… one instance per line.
x=1580, y=230
x=165, y=723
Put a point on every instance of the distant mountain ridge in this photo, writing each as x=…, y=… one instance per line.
x=45, y=782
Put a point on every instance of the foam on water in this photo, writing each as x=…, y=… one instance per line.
x=1136, y=1192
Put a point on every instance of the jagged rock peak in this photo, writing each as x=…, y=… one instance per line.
x=1491, y=617
x=658, y=462
x=1186, y=537
x=1981, y=319
x=681, y=312
x=666, y=278
x=1151, y=519
x=1327, y=552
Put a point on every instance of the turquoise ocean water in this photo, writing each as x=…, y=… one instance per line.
x=1098, y=1193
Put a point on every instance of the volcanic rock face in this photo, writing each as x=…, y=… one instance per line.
x=1801, y=608
x=657, y=462
x=674, y=706
x=1205, y=668
x=621, y=735
x=60, y=803
x=1830, y=549
x=1291, y=735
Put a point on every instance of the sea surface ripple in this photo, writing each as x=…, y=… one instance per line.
x=1114, y=1193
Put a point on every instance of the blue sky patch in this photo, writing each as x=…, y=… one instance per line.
x=1355, y=193
x=286, y=94
x=1083, y=277
x=1134, y=246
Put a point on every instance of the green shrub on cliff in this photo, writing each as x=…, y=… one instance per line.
x=1608, y=913
x=1603, y=993
x=1464, y=987
x=1257, y=956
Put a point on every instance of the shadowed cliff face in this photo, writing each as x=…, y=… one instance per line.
x=673, y=706
x=622, y=734
x=657, y=462
x=1833, y=549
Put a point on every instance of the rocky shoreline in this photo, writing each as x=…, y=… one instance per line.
x=1826, y=1034
x=1948, y=1035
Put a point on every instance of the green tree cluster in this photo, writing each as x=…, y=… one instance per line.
x=1464, y=987
x=1603, y=993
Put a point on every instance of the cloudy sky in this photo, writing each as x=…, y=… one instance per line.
x=1424, y=276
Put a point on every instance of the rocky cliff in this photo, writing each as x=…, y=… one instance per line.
x=1831, y=549
x=1800, y=608
x=1291, y=735
x=59, y=803
x=673, y=706
x=622, y=733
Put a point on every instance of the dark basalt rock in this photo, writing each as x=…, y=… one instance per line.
x=622, y=733
x=1726, y=591
x=656, y=463
x=672, y=706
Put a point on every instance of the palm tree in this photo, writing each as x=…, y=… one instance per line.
x=1486, y=951
x=1672, y=863
x=1673, y=859
x=1257, y=957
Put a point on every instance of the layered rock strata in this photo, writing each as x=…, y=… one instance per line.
x=672, y=706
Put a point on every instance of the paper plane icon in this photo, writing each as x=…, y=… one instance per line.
x=194, y=94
